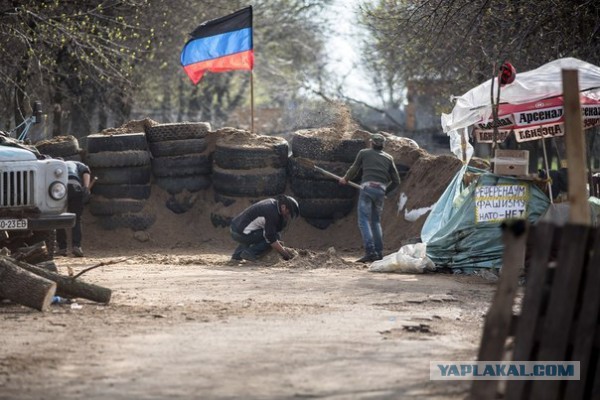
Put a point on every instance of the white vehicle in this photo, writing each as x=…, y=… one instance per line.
x=33, y=196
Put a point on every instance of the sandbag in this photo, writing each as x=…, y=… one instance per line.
x=410, y=259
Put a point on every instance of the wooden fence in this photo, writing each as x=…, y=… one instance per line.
x=560, y=312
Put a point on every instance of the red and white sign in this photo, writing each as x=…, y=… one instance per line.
x=535, y=120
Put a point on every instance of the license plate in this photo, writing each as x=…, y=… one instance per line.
x=10, y=224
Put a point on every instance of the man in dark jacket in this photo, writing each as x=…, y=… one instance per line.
x=77, y=195
x=258, y=228
x=379, y=177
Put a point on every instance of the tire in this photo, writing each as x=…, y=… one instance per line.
x=123, y=175
x=225, y=200
x=59, y=146
x=331, y=189
x=100, y=206
x=177, y=184
x=135, y=222
x=178, y=147
x=319, y=223
x=297, y=170
x=325, y=208
x=108, y=159
x=190, y=164
x=177, y=131
x=220, y=221
x=259, y=183
x=239, y=157
x=73, y=157
x=138, y=192
x=127, y=141
x=319, y=148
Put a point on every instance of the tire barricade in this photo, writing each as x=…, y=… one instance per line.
x=322, y=199
x=246, y=168
x=122, y=165
x=242, y=168
x=65, y=147
x=181, y=160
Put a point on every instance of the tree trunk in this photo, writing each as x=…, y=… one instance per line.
x=68, y=287
x=24, y=287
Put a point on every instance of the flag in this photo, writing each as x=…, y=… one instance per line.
x=220, y=45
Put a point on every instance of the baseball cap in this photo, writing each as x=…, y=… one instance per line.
x=378, y=139
x=291, y=204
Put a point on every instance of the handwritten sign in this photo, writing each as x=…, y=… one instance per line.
x=497, y=203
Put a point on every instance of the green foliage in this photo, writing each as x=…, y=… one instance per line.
x=457, y=43
x=97, y=60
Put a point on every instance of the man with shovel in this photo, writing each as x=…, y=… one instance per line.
x=379, y=177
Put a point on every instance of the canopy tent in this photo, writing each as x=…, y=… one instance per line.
x=463, y=230
x=531, y=105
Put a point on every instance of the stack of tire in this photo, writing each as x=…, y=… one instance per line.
x=122, y=165
x=66, y=147
x=181, y=158
x=246, y=168
x=322, y=199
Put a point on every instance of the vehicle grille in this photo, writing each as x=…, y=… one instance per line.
x=16, y=188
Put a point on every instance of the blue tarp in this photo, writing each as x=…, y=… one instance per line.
x=463, y=229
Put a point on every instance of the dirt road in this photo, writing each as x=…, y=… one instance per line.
x=189, y=325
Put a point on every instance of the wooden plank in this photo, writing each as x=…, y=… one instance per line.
x=595, y=394
x=562, y=304
x=542, y=236
x=579, y=212
x=499, y=316
x=588, y=322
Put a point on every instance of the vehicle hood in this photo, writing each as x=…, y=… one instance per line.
x=8, y=153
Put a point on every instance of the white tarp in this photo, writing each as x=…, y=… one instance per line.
x=541, y=83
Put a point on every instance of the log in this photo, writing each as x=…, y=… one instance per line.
x=69, y=287
x=24, y=287
x=32, y=254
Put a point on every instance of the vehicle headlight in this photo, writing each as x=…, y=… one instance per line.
x=58, y=190
x=58, y=172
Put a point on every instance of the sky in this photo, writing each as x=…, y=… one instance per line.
x=344, y=49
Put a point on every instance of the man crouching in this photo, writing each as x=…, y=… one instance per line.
x=258, y=228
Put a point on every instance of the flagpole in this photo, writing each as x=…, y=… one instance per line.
x=252, y=99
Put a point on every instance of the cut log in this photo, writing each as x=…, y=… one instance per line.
x=24, y=287
x=32, y=254
x=69, y=287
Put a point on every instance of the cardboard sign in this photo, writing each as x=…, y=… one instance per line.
x=497, y=203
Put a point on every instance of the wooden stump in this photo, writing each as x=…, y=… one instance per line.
x=23, y=287
x=69, y=287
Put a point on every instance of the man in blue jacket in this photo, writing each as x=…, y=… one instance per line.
x=257, y=229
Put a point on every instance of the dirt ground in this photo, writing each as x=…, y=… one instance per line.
x=185, y=323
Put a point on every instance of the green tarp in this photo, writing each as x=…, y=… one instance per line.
x=462, y=232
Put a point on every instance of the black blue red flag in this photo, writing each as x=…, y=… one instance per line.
x=220, y=45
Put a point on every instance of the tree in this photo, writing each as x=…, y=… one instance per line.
x=457, y=43
x=74, y=54
x=288, y=44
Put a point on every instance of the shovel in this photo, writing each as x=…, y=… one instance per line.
x=309, y=164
